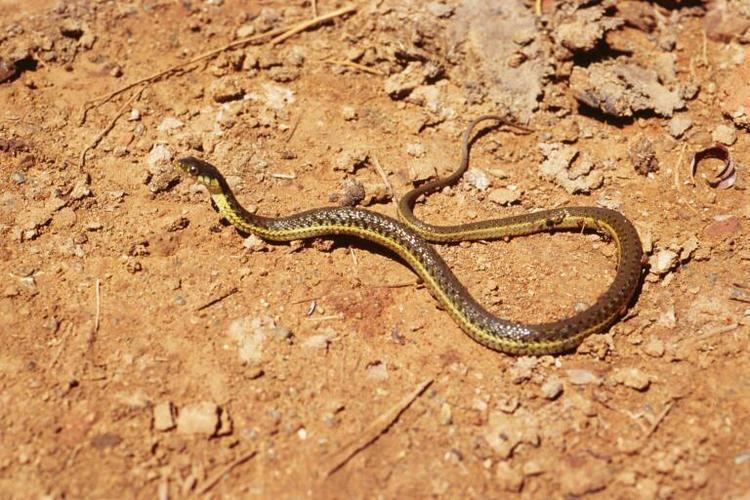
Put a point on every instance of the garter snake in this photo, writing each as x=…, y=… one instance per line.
x=409, y=240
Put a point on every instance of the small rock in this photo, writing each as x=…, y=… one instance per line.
x=245, y=30
x=227, y=89
x=504, y=433
x=349, y=113
x=170, y=123
x=164, y=181
x=643, y=156
x=722, y=227
x=18, y=177
x=81, y=188
x=399, y=85
x=134, y=115
x=377, y=370
x=250, y=334
x=508, y=478
x=354, y=193
x=663, y=261
x=689, y=248
x=668, y=317
x=199, y=418
x=319, y=341
x=583, y=476
x=255, y=243
x=623, y=89
x=679, y=124
x=504, y=196
x=164, y=416
x=532, y=468
x=523, y=369
x=725, y=134
x=552, y=388
x=106, y=440
x=578, y=376
x=178, y=224
x=446, y=414
x=281, y=333
x=654, y=348
x=633, y=378
x=415, y=149
x=439, y=9
x=159, y=154
x=421, y=170
x=350, y=160
x=477, y=178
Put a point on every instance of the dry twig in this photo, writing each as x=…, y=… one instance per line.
x=213, y=480
x=352, y=64
x=223, y=295
x=280, y=35
x=381, y=173
x=109, y=127
x=377, y=428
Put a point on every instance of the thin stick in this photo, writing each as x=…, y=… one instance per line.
x=281, y=34
x=659, y=418
x=98, y=305
x=210, y=483
x=325, y=318
x=538, y=7
x=381, y=173
x=677, y=167
x=109, y=127
x=279, y=175
x=294, y=128
x=63, y=339
x=218, y=299
x=377, y=428
x=313, y=22
x=315, y=8
x=352, y=64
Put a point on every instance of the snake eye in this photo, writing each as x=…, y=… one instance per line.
x=193, y=170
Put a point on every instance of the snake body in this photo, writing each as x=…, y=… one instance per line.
x=408, y=239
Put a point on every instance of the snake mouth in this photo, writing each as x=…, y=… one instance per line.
x=204, y=172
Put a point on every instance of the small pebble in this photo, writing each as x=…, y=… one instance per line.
x=254, y=243
x=654, y=348
x=552, y=388
x=446, y=414
x=170, y=123
x=377, y=370
x=633, y=378
x=477, y=178
x=725, y=134
x=245, y=30
x=523, y=369
x=319, y=341
x=416, y=149
x=18, y=177
x=199, y=418
x=578, y=376
x=679, y=124
x=663, y=261
x=439, y=9
x=349, y=113
x=509, y=478
x=504, y=196
x=164, y=417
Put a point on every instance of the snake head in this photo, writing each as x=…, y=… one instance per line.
x=203, y=172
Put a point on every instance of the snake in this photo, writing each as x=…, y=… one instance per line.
x=410, y=239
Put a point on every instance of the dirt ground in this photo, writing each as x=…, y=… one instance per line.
x=149, y=349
